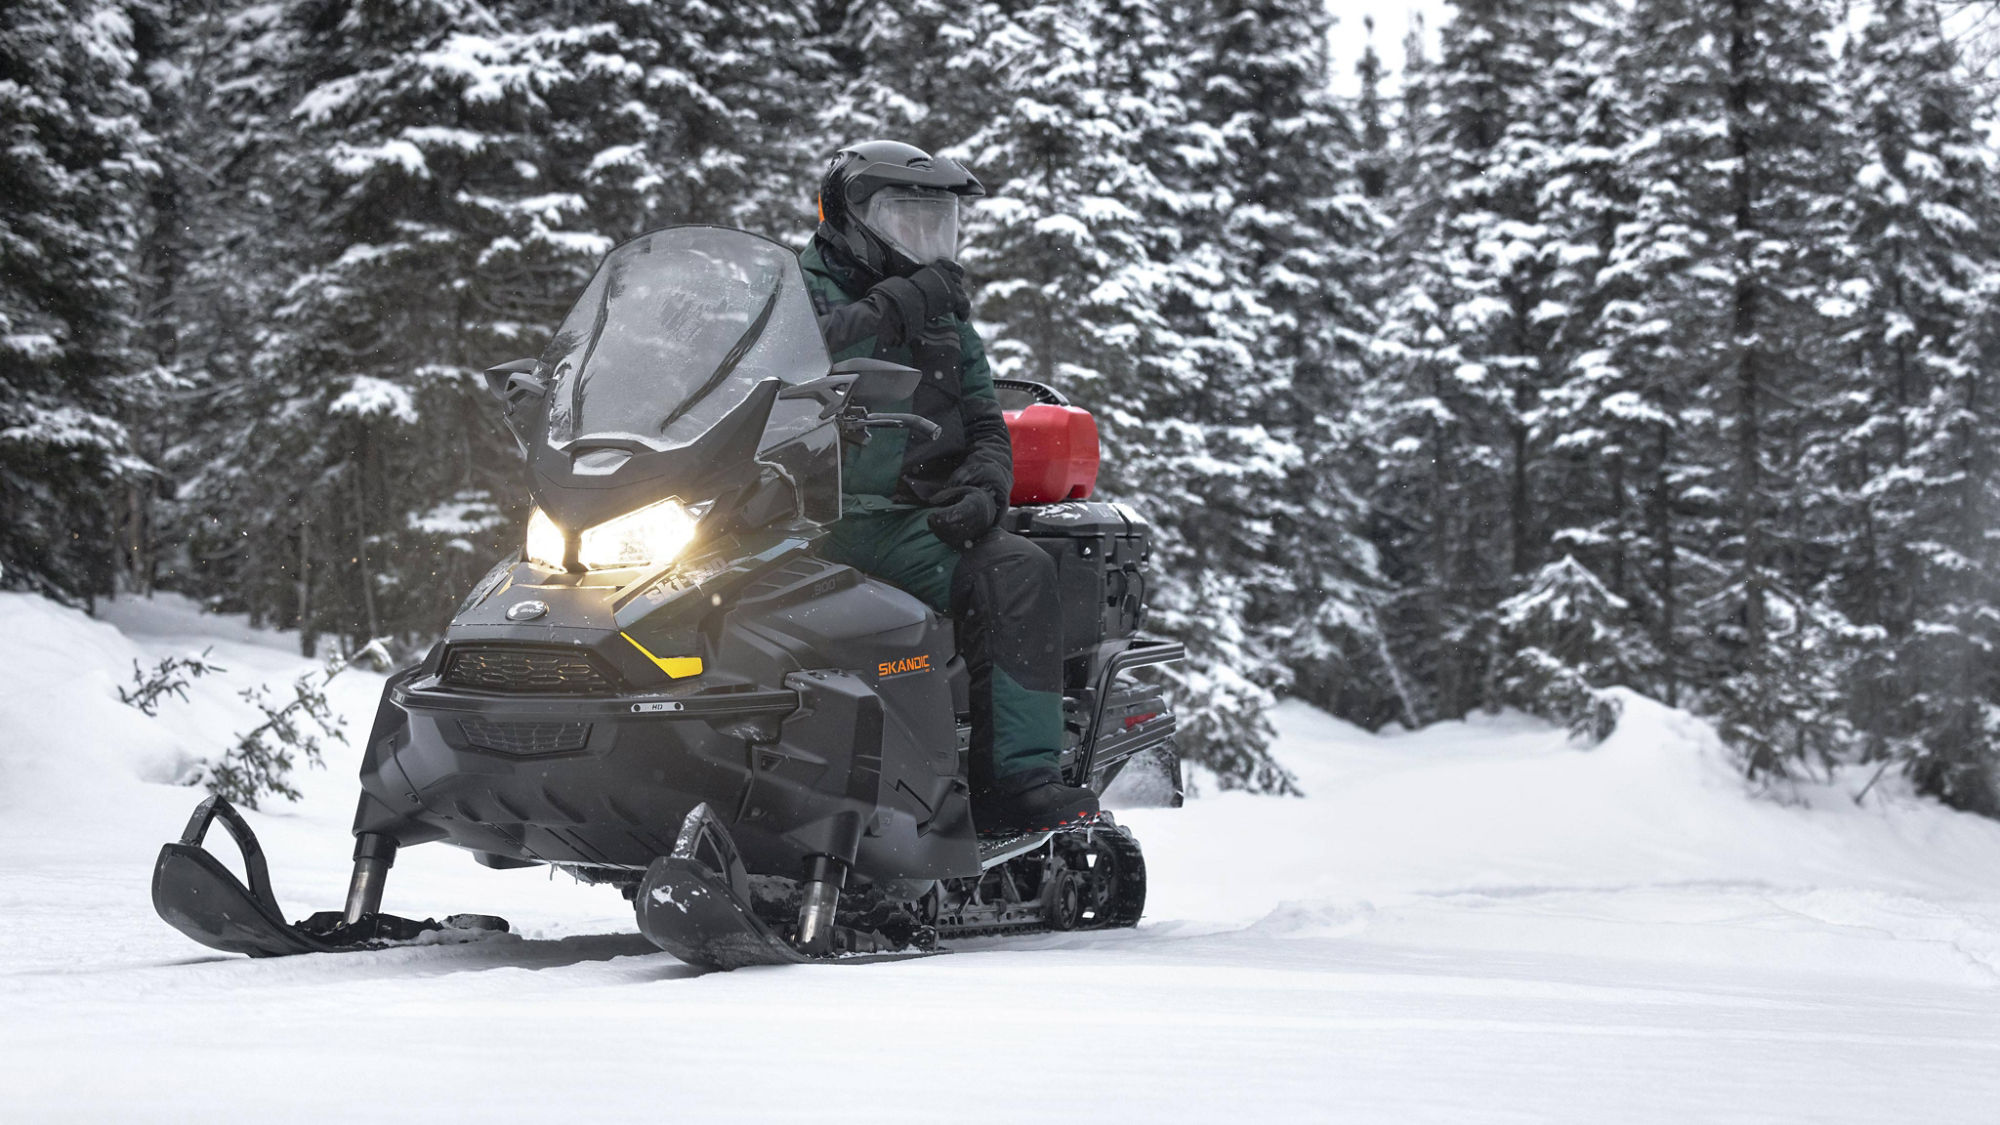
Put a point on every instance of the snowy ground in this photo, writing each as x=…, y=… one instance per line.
x=1472, y=923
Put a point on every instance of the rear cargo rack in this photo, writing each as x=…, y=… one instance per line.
x=1143, y=652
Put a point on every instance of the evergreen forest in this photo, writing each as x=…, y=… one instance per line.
x=1584, y=344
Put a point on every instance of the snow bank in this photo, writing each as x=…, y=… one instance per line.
x=70, y=744
x=1506, y=818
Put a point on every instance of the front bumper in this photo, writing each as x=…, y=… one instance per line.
x=606, y=782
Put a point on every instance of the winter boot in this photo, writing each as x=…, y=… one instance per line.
x=1034, y=801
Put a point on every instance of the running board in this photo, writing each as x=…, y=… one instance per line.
x=994, y=851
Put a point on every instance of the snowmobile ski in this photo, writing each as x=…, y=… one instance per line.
x=203, y=899
x=698, y=905
x=695, y=903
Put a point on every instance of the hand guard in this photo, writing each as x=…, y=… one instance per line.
x=961, y=515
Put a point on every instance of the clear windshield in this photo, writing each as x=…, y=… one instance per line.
x=921, y=222
x=672, y=333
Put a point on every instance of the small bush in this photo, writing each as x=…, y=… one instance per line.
x=170, y=677
x=1570, y=638
x=260, y=763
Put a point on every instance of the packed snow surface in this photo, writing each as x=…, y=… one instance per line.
x=1477, y=922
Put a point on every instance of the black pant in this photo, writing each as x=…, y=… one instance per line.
x=1003, y=601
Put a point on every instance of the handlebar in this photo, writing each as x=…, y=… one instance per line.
x=856, y=422
x=928, y=429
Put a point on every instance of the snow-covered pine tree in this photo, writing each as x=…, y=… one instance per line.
x=1566, y=638
x=1467, y=335
x=1611, y=425
x=896, y=71
x=1901, y=458
x=1266, y=282
x=225, y=246
x=212, y=271
x=1582, y=431
x=419, y=238
x=686, y=113
x=1745, y=178
x=1958, y=454
x=76, y=166
x=1371, y=119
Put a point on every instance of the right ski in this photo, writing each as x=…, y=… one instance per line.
x=695, y=903
x=698, y=905
x=686, y=909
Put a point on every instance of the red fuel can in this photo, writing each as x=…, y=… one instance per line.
x=1055, y=453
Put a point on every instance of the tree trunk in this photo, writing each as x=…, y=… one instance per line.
x=1620, y=530
x=361, y=540
x=1660, y=513
x=138, y=563
x=1743, y=192
x=308, y=635
x=1523, y=540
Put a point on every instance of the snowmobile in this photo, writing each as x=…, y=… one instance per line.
x=667, y=691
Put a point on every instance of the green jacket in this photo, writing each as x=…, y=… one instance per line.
x=893, y=469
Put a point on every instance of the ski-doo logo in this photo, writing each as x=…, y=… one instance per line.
x=904, y=666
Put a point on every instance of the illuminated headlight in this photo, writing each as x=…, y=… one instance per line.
x=653, y=534
x=545, y=541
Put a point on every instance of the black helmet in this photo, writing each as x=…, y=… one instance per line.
x=893, y=206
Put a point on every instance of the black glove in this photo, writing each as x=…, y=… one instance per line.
x=961, y=515
x=952, y=276
x=922, y=297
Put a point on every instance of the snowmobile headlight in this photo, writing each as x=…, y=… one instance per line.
x=545, y=541
x=656, y=533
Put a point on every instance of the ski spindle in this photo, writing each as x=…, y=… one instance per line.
x=374, y=854
x=821, y=900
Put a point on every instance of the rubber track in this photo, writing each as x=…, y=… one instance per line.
x=1127, y=910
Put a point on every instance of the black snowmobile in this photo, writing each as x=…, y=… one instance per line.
x=667, y=691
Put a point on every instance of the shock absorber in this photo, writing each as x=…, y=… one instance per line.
x=374, y=853
x=824, y=875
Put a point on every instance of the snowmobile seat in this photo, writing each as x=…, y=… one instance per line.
x=1055, y=444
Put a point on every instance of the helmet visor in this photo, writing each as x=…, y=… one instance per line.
x=920, y=223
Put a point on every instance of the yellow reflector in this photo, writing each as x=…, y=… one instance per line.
x=676, y=667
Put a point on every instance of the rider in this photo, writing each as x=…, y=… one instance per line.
x=924, y=513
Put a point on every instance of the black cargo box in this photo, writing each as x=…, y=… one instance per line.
x=1099, y=550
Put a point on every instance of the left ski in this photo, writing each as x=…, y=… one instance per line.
x=201, y=898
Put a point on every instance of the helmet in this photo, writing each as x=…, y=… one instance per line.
x=893, y=206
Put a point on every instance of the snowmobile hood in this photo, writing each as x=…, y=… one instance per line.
x=664, y=378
